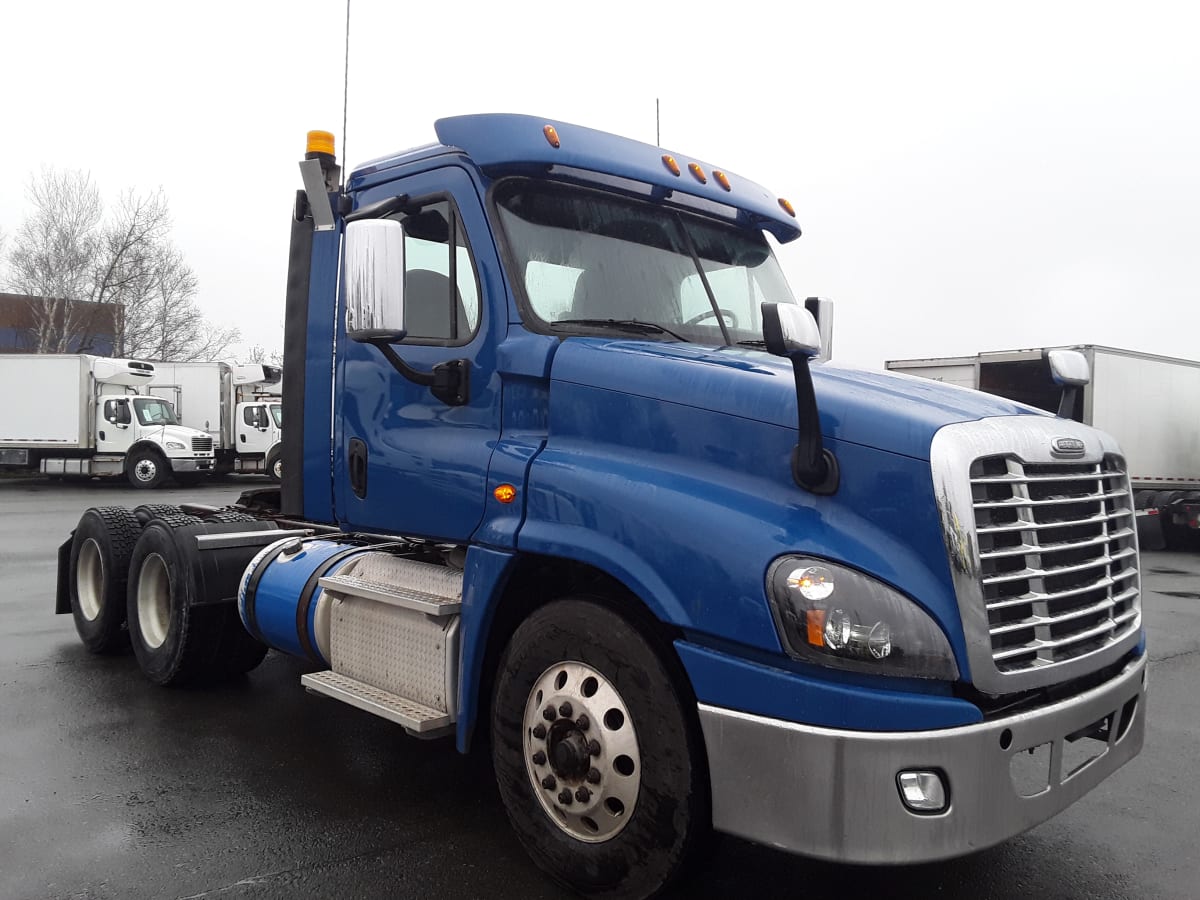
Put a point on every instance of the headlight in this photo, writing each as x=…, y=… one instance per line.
x=175, y=445
x=834, y=616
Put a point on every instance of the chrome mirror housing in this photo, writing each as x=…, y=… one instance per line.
x=375, y=280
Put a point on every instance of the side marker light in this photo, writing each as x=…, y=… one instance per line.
x=505, y=493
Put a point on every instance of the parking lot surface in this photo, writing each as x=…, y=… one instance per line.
x=113, y=787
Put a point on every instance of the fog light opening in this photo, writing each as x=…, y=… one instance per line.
x=922, y=792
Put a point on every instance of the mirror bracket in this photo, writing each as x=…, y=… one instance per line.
x=450, y=381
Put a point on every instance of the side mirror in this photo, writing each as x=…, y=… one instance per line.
x=375, y=281
x=1070, y=369
x=791, y=331
x=822, y=310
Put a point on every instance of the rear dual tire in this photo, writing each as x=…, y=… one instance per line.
x=99, y=565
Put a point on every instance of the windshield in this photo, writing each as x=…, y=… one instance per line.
x=588, y=257
x=151, y=411
x=277, y=414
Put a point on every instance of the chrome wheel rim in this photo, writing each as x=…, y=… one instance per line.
x=145, y=470
x=581, y=752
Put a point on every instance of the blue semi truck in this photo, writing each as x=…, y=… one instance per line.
x=568, y=480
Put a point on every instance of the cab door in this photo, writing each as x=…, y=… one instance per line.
x=115, y=430
x=405, y=461
x=254, y=428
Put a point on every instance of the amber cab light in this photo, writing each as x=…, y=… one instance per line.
x=669, y=162
x=552, y=136
x=505, y=493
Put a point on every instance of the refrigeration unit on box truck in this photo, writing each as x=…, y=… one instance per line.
x=77, y=414
x=1149, y=403
x=239, y=406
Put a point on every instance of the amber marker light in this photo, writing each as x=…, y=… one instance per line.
x=815, y=620
x=669, y=162
x=505, y=493
x=787, y=207
x=722, y=179
x=320, y=142
x=698, y=173
x=552, y=136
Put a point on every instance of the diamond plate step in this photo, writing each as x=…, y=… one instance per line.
x=392, y=594
x=415, y=717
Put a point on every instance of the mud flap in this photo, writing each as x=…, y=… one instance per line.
x=62, y=600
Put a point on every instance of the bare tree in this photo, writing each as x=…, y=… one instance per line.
x=259, y=354
x=73, y=259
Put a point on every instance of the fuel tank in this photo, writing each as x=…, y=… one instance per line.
x=280, y=601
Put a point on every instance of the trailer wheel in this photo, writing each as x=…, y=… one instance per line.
x=275, y=466
x=600, y=767
x=99, y=566
x=174, y=641
x=146, y=468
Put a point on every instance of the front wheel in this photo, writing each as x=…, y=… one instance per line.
x=147, y=469
x=598, y=760
x=275, y=466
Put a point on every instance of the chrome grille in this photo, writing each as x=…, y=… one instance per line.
x=202, y=445
x=1058, y=558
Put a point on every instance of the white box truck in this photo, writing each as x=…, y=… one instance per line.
x=238, y=406
x=1149, y=403
x=77, y=414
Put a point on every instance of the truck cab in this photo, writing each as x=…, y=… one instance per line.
x=566, y=465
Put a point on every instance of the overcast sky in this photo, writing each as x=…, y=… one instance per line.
x=968, y=177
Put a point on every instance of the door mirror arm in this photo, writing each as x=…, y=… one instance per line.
x=450, y=381
x=790, y=331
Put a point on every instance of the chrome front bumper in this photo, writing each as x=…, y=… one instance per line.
x=833, y=794
x=192, y=465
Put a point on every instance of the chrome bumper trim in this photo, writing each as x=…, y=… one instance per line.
x=832, y=793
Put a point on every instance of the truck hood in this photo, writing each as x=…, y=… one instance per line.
x=885, y=411
x=180, y=433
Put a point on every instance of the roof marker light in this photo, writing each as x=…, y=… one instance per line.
x=787, y=207
x=669, y=162
x=552, y=136
x=698, y=173
x=722, y=179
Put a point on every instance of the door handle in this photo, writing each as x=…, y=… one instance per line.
x=357, y=463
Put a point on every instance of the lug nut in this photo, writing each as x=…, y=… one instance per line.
x=539, y=731
x=593, y=775
x=583, y=723
x=564, y=797
x=539, y=758
x=594, y=747
x=583, y=795
x=549, y=783
x=565, y=710
x=549, y=714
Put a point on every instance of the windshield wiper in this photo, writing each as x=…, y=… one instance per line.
x=752, y=343
x=632, y=325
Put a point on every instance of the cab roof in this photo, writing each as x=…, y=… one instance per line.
x=501, y=144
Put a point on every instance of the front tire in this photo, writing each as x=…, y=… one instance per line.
x=147, y=469
x=99, y=566
x=275, y=466
x=596, y=754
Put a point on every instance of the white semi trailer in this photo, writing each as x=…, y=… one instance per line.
x=1149, y=403
x=77, y=414
x=238, y=406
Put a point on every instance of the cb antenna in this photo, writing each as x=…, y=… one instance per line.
x=657, y=124
x=345, y=94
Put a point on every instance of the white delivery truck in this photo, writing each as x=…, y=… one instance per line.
x=238, y=406
x=77, y=414
x=1149, y=403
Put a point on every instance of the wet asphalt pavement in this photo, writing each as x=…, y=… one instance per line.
x=111, y=787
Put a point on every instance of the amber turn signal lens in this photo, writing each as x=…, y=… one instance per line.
x=722, y=179
x=505, y=493
x=552, y=136
x=815, y=620
x=787, y=207
x=672, y=166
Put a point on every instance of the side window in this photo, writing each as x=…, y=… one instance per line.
x=435, y=255
x=117, y=411
x=250, y=415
